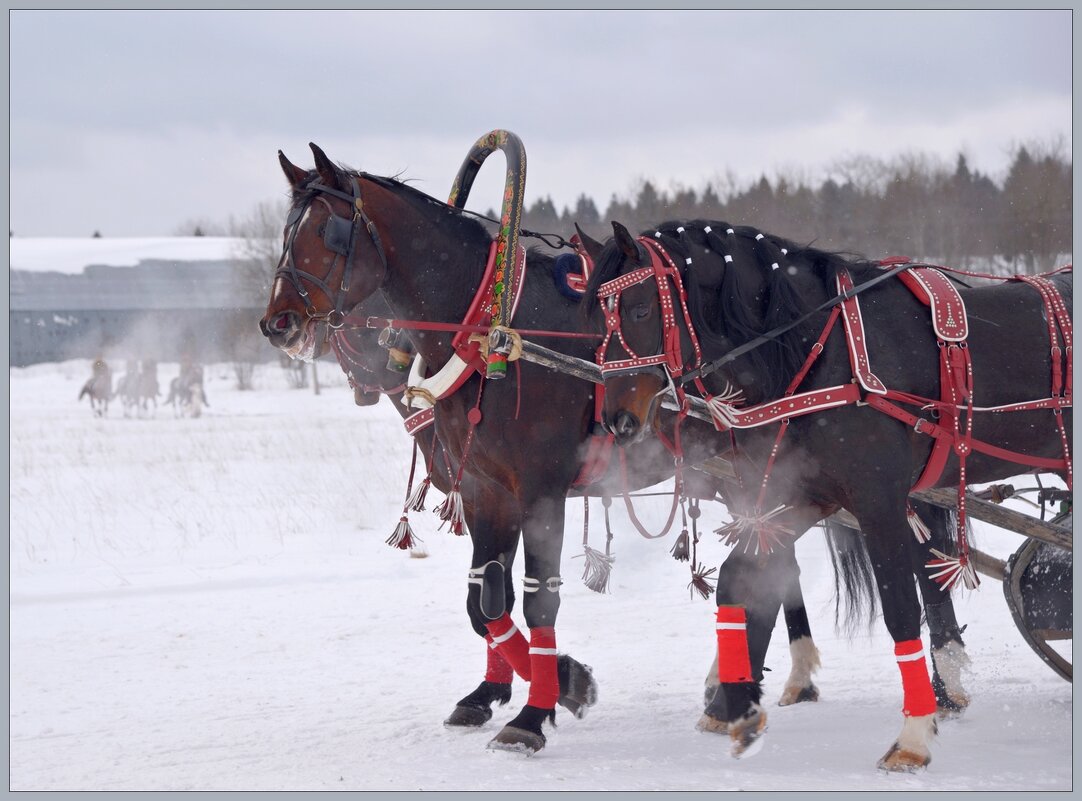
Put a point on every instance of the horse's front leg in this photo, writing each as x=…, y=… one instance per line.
x=882, y=517
x=749, y=594
x=543, y=541
x=493, y=521
x=804, y=657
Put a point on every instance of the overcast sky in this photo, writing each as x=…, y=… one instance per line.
x=133, y=123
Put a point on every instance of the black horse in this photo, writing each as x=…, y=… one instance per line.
x=820, y=417
x=525, y=456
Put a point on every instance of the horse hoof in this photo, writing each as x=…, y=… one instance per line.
x=578, y=689
x=708, y=724
x=518, y=741
x=901, y=760
x=466, y=717
x=798, y=695
x=746, y=733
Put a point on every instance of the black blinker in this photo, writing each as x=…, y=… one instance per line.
x=337, y=233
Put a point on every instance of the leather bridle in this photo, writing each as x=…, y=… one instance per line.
x=340, y=237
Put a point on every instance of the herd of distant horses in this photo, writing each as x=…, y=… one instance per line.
x=828, y=382
x=138, y=389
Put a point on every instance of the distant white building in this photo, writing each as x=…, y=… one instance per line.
x=133, y=298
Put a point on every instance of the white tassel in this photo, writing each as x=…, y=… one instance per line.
x=952, y=570
x=922, y=532
x=416, y=500
x=451, y=511
x=597, y=570
x=722, y=406
x=757, y=530
x=403, y=536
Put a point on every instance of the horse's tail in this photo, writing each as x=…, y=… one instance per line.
x=853, y=577
x=85, y=390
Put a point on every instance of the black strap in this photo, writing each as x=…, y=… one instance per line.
x=762, y=339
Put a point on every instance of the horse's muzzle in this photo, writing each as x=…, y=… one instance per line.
x=625, y=426
x=283, y=330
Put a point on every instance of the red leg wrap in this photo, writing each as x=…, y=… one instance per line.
x=734, y=663
x=919, y=696
x=498, y=670
x=545, y=686
x=511, y=645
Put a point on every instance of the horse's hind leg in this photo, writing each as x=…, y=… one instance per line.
x=949, y=657
x=888, y=539
x=804, y=655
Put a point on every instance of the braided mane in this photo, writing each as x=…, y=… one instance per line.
x=734, y=301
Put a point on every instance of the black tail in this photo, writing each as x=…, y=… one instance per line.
x=853, y=578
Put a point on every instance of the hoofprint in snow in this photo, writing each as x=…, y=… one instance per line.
x=208, y=603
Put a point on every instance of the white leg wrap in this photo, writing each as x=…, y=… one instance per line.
x=917, y=734
x=950, y=661
x=805, y=658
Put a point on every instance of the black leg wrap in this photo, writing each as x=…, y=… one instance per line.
x=942, y=624
x=523, y=734
x=476, y=708
x=578, y=689
x=733, y=700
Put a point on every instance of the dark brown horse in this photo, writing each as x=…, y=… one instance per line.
x=832, y=418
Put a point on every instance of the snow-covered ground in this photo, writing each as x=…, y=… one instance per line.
x=209, y=604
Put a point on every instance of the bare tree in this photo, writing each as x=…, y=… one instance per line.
x=256, y=257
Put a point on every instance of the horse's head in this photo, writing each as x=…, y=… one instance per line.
x=640, y=292
x=332, y=258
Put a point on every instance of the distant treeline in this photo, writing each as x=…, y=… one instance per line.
x=912, y=206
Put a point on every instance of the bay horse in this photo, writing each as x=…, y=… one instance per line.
x=99, y=388
x=524, y=459
x=741, y=320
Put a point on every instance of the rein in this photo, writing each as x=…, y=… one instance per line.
x=774, y=333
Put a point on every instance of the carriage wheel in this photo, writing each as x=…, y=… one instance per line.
x=1038, y=586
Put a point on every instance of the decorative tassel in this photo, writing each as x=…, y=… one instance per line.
x=681, y=551
x=952, y=570
x=722, y=406
x=757, y=530
x=597, y=570
x=922, y=532
x=451, y=511
x=701, y=581
x=403, y=537
x=416, y=501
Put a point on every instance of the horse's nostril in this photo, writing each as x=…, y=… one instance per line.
x=281, y=322
x=625, y=424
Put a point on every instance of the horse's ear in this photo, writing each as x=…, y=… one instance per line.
x=294, y=174
x=590, y=245
x=328, y=173
x=626, y=241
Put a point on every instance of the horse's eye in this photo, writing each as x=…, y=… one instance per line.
x=640, y=311
x=322, y=230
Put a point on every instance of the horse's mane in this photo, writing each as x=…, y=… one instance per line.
x=304, y=194
x=725, y=312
